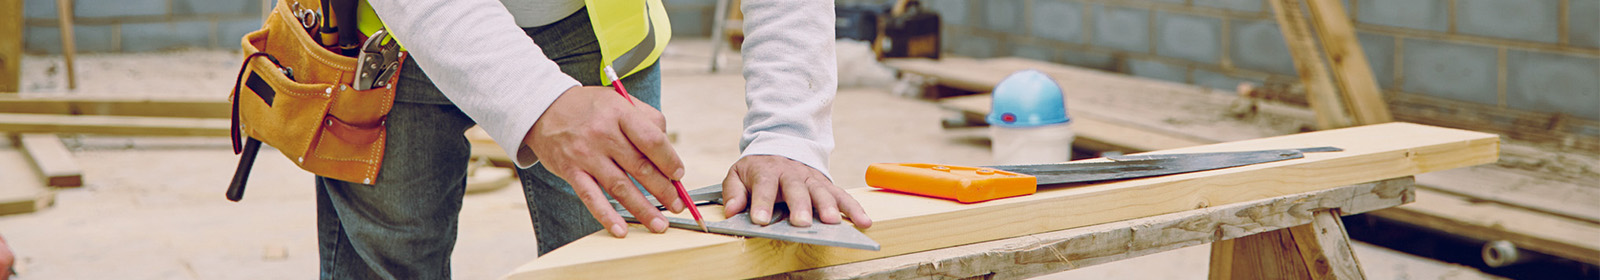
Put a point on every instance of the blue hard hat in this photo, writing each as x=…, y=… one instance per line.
x=1028, y=98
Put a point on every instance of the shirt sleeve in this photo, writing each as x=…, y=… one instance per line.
x=791, y=77
x=475, y=53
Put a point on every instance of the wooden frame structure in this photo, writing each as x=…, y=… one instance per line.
x=907, y=224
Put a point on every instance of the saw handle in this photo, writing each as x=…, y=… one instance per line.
x=964, y=184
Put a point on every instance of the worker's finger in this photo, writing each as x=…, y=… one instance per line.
x=617, y=184
x=798, y=196
x=763, y=194
x=733, y=194
x=595, y=199
x=851, y=208
x=653, y=181
x=826, y=205
x=650, y=138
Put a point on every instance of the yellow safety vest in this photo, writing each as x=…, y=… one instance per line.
x=632, y=33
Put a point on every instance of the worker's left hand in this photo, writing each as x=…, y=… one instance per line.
x=759, y=181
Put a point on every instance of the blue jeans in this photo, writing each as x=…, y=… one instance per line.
x=404, y=227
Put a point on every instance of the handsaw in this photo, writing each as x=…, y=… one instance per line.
x=837, y=235
x=983, y=183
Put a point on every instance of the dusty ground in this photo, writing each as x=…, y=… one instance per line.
x=152, y=208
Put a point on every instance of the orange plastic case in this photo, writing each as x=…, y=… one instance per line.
x=960, y=183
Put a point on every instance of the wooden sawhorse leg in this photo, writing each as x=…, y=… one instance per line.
x=1319, y=250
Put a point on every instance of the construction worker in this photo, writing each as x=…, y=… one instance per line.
x=527, y=72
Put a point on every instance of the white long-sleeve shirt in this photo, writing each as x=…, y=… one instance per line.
x=476, y=54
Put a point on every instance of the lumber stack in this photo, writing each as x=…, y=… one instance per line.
x=906, y=224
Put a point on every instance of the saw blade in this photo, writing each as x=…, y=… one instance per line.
x=1140, y=166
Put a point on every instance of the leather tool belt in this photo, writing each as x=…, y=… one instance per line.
x=310, y=102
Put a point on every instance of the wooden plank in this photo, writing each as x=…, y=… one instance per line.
x=68, y=42
x=905, y=224
x=1045, y=253
x=1518, y=189
x=20, y=190
x=10, y=45
x=42, y=123
x=1325, y=247
x=1360, y=91
x=1320, y=90
x=1267, y=255
x=1090, y=130
x=51, y=160
x=1552, y=235
x=119, y=106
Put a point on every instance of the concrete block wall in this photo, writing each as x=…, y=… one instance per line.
x=141, y=25
x=1534, y=55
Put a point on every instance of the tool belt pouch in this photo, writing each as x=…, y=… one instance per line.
x=298, y=99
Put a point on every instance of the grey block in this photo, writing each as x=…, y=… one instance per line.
x=223, y=7
x=118, y=8
x=974, y=46
x=1035, y=52
x=39, y=9
x=1583, y=23
x=1450, y=70
x=1258, y=45
x=1122, y=28
x=230, y=32
x=1004, y=16
x=1058, y=20
x=1222, y=81
x=1158, y=70
x=1090, y=59
x=144, y=37
x=1190, y=37
x=1237, y=5
x=88, y=38
x=689, y=22
x=1418, y=14
x=1380, y=56
x=1532, y=20
x=952, y=12
x=1547, y=82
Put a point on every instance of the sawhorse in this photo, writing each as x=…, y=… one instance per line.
x=1289, y=237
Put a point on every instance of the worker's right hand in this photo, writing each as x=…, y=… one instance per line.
x=594, y=139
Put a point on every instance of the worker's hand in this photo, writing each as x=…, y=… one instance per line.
x=594, y=139
x=768, y=179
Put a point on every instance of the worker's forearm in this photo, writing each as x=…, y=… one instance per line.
x=791, y=78
x=475, y=53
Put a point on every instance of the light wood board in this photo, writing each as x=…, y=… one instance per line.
x=905, y=224
x=20, y=190
x=10, y=46
x=1320, y=89
x=1045, y=253
x=46, y=123
x=119, y=106
x=1360, y=91
x=1556, y=236
x=52, y=160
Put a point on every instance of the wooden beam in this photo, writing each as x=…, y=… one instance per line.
x=1320, y=90
x=68, y=42
x=1552, y=235
x=1325, y=247
x=1268, y=255
x=42, y=123
x=1045, y=253
x=119, y=106
x=905, y=224
x=10, y=45
x=51, y=160
x=20, y=190
x=1360, y=91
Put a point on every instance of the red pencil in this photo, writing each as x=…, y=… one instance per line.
x=683, y=194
